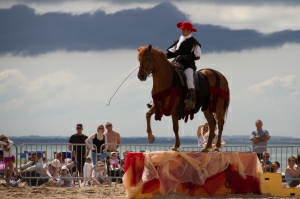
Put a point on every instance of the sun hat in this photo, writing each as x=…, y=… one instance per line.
x=113, y=153
x=186, y=25
x=55, y=163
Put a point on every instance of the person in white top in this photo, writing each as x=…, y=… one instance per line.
x=215, y=140
x=87, y=168
x=202, y=130
x=9, y=157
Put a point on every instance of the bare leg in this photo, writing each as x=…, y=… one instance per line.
x=149, y=113
x=175, y=129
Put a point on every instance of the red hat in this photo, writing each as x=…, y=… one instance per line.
x=186, y=25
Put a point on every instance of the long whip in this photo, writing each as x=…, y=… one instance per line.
x=120, y=86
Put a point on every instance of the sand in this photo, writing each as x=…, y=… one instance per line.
x=115, y=191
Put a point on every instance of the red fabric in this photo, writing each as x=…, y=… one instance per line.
x=161, y=97
x=217, y=92
x=136, y=162
x=151, y=186
x=239, y=185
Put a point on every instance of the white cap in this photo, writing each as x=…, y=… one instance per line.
x=64, y=167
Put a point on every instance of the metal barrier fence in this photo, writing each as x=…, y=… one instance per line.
x=224, y=149
x=49, y=152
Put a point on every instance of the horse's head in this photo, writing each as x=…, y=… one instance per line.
x=145, y=58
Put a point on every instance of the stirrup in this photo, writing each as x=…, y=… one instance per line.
x=190, y=103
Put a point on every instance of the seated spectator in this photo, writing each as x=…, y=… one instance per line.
x=52, y=169
x=65, y=179
x=99, y=174
x=275, y=166
x=292, y=172
x=114, y=162
x=65, y=161
x=265, y=162
x=33, y=168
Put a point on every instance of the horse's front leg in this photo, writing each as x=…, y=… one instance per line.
x=149, y=113
x=175, y=129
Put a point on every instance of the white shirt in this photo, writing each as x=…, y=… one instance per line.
x=87, y=169
x=7, y=151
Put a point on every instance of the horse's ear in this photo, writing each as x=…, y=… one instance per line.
x=139, y=48
x=150, y=47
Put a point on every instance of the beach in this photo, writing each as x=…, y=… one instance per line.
x=115, y=191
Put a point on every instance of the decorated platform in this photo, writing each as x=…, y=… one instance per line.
x=191, y=173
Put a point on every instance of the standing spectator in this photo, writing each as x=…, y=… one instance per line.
x=98, y=140
x=202, y=130
x=292, y=172
x=80, y=150
x=113, y=138
x=259, y=139
x=9, y=157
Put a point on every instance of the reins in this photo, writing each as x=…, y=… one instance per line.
x=151, y=73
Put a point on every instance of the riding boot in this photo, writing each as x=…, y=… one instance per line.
x=191, y=98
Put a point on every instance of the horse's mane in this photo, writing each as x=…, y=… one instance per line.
x=162, y=54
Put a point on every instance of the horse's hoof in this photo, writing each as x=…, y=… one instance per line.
x=216, y=150
x=205, y=150
x=174, y=148
x=151, y=139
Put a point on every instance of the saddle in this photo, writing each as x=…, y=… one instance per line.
x=201, y=89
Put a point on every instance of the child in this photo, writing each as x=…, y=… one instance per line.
x=65, y=179
x=9, y=157
x=99, y=174
x=114, y=161
x=87, y=169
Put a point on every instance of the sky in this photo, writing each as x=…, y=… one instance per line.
x=62, y=61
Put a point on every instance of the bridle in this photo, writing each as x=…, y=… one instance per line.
x=146, y=68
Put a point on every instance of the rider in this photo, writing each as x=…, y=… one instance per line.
x=186, y=50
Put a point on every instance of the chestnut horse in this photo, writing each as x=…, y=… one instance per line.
x=155, y=62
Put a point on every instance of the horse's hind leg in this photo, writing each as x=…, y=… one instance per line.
x=212, y=125
x=220, y=117
x=175, y=129
x=149, y=113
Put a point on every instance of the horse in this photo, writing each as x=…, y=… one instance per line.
x=167, y=97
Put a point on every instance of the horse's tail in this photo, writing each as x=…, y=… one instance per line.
x=225, y=107
x=226, y=102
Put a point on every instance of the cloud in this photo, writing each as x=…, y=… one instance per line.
x=25, y=32
x=285, y=82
